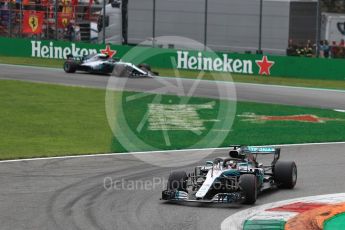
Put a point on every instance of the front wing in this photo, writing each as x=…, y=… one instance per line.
x=224, y=198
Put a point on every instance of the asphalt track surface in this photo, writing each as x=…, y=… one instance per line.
x=71, y=194
x=321, y=98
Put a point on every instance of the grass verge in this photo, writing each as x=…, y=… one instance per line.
x=327, y=84
x=40, y=120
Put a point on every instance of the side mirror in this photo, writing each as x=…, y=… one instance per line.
x=209, y=163
x=238, y=154
x=233, y=154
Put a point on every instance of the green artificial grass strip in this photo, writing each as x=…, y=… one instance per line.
x=247, y=128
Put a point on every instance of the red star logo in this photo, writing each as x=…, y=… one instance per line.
x=299, y=118
x=108, y=51
x=265, y=66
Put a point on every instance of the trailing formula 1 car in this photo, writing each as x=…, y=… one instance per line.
x=236, y=179
x=104, y=64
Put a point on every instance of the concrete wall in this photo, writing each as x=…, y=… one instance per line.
x=233, y=25
x=113, y=31
x=139, y=20
x=275, y=26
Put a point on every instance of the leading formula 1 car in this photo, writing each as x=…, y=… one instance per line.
x=103, y=64
x=236, y=179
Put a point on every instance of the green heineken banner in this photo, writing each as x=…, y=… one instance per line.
x=259, y=65
x=51, y=49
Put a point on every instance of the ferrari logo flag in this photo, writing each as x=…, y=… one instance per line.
x=64, y=19
x=33, y=22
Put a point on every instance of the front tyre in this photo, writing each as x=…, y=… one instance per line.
x=178, y=181
x=145, y=67
x=69, y=67
x=248, y=183
x=285, y=174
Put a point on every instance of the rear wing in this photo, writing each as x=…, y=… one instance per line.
x=243, y=151
x=261, y=150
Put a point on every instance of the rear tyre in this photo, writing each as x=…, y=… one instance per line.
x=69, y=67
x=285, y=174
x=178, y=181
x=248, y=184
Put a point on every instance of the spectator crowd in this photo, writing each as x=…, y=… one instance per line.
x=325, y=49
x=46, y=19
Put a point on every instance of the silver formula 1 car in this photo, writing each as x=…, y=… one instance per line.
x=103, y=64
x=236, y=179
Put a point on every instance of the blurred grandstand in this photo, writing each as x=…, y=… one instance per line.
x=63, y=20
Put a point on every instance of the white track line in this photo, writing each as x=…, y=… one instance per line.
x=33, y=67
x=160, y=152
x=109, y=154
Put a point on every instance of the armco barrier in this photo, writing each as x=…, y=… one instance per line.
x=297, y=67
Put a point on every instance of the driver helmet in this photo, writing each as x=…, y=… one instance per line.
x=232, y=164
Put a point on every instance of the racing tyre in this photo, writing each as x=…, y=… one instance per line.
x=70, y=67
x=248, y=184
x=121, y=71
x=145, y=67
x=178, y=181
x=285, y=174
